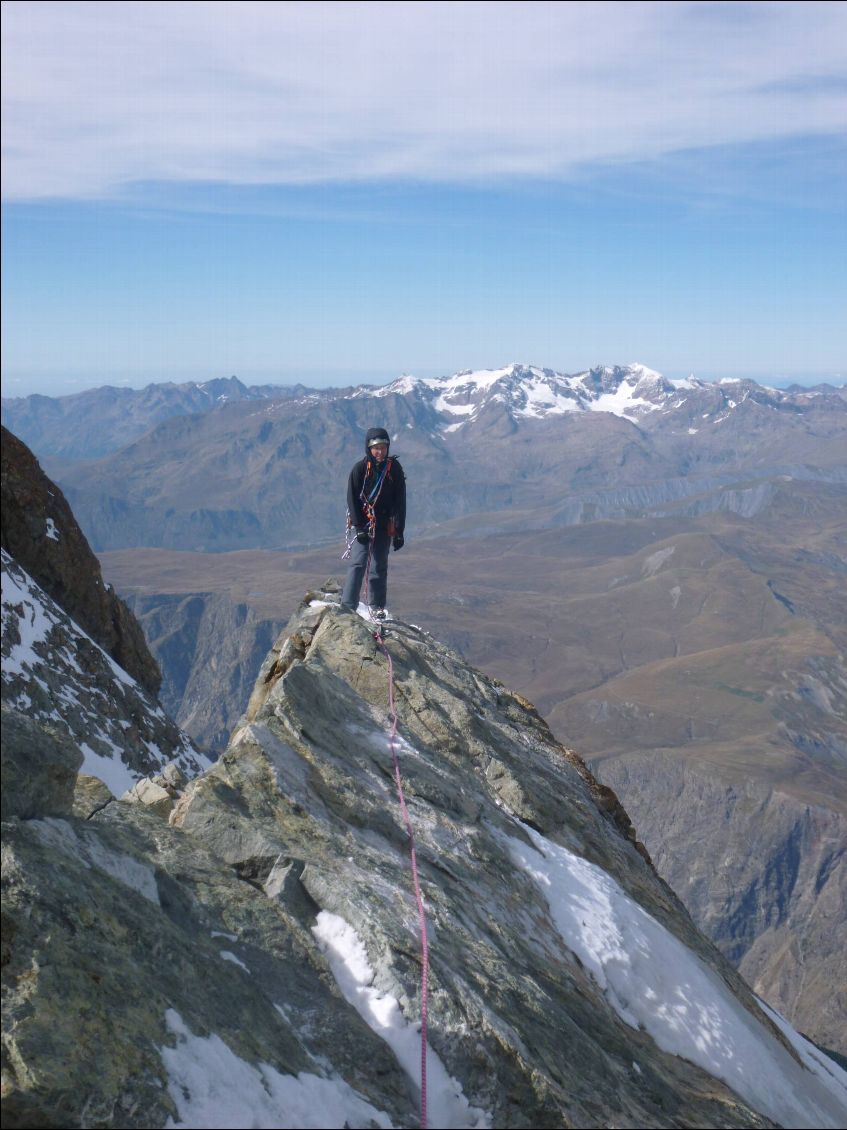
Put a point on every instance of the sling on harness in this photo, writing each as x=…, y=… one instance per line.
x=370, y=498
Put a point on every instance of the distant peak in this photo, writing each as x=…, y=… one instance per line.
x=644, y=372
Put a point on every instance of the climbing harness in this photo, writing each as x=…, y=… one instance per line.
x=392, y=742
x=369, y=499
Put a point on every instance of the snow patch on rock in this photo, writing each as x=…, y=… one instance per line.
x=213, y=1087
x=655, y=982
x=348, y=959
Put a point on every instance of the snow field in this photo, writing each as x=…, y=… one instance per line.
x=655, y=983
x=115, y=775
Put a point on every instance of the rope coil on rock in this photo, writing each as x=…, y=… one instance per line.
x=392, y=741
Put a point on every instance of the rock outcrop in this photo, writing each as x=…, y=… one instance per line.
x=718, y=642
x=39, y=531
x=40, y=767
x=63, y=682
x=253, y=958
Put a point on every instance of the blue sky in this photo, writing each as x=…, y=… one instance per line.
x=337, y=193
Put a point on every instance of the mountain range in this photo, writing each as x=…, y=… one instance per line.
x=269, y=474
x=97, y=421
x=658, y=565
x=93, y=423
x=239, y=943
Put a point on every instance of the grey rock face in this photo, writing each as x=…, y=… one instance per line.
x=228, y=966
x=153, y=796
x=310, y=769
x=90, y=796
x=114, y=925
x=40, y=766
x=60, y=678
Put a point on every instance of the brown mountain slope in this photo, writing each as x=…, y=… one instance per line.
x=697, y=660
x=265, y=473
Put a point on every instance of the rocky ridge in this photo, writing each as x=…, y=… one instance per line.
x=40, y=532
x=63, y=683
x=710, y=645
x=262, y=940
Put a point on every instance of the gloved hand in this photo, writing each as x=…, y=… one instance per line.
x=398, y=542
x=362, y=536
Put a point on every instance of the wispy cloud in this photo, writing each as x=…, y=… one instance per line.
x=100, y=96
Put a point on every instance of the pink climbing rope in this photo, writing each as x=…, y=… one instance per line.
x=392, y=741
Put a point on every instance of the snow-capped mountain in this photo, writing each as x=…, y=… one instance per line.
x=94, y=423
x=632, y=392
x=535, y=393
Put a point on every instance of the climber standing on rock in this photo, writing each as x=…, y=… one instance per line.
x=376, y=510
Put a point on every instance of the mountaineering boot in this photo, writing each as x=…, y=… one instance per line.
x=378, y=613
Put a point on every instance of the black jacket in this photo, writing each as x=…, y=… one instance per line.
x=392, y=497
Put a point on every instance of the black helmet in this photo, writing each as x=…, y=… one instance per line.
x=376, y=435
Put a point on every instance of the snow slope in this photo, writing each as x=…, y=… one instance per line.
x=55, y=672
x=656, y=983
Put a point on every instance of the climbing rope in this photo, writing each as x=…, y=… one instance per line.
x=349, y=539
x=392, y=741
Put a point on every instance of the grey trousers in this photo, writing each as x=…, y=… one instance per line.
x=377, y=574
